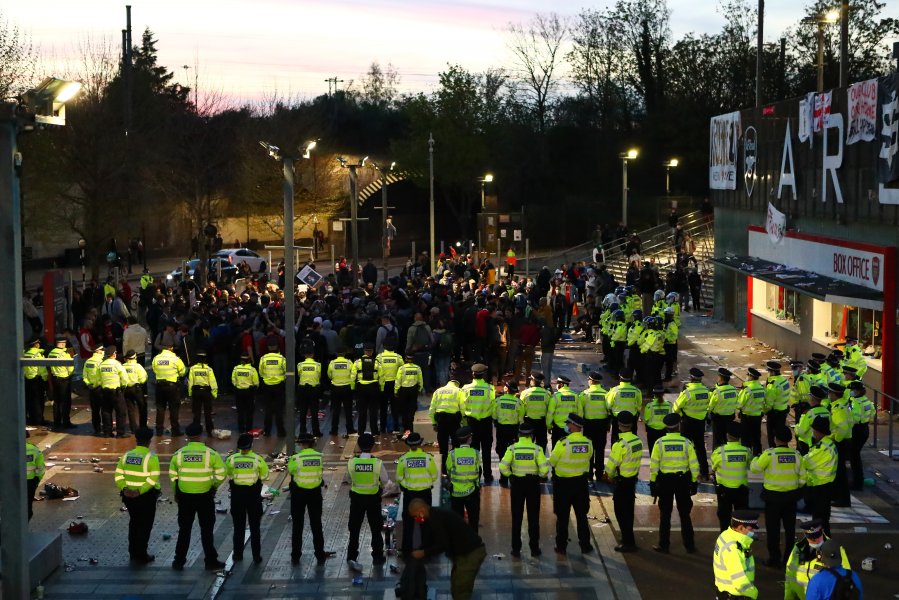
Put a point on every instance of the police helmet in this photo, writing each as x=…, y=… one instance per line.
x=613, y=307
x=637, y=314
x=658, y=295
x=672, y=297
x=619, y=315
x=669, y=311
x=622, y=298
x=620, y=290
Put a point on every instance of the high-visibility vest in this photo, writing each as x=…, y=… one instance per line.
x=804, y=427
x=803, y=564
x=752, y=398
x=673, y=453
x=535, y=400
x=777, y=393
x=409, y=376
x=365, y=475
x=246, y=469
x=479, y=399
x=168, y=367
x=734, y=565
x=366, y=369
x=34, y=461
x=309, y=372
x=591, y=403
x=340, y=372
x=782, y=469
x=90, y=373
x=841, y=420
x=306, y=468
x=201, y=374
x=463, y=466
x=113, y=375
x=625, y=456
x=507, y=410
x=730, y=463
x=447, y=399
x=821, y=462
x=272, y=368
x=624, y=396
x=561, y=404
x=137, y=374
x=572, y=456
x=724, y=400
x=416, y=470
x=138, y=469
x=32, y=371
x=196, y=468
x=64, y=370
x=693, y=401
x=388, y=363
x=654, y=414
x=523, y=458
x=863, y=410
x=244, y=377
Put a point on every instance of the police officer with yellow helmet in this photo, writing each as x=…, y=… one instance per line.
x=137, y=478
x=571, y=460
x=246, y=470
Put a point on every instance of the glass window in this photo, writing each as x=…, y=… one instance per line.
x=781, y=303
x=863, y=323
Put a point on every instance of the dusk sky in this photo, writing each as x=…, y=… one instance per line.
x=249, y=49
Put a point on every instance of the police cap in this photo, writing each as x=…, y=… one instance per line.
x=696, y=373
x=796, y=363
x=813, y=529
x=814, y=366
x=821, y=425
x=143, y=435
x=576, y=419
x=201, y=354
x=783, y=434
x=850, y=370
x=671, y=420
x=130, y=354
x=735, y=429
x=753, y=372
x=819, y=356
x=368, y=345
x=245, y=441
x=725, y=373
x=658, y=390
x=245, y=357
x=414, y=439
x=595, y=376
x=625, y=418
x=836, y=388
x=563, y=380
x=537, y=376
x=773, y=365
x=366, y=442
x=745, y=517
x=478, y=368
x=818, y=392
x=109, y=351
x=194, y=430
x=856, y=385
x=307, y=439
x=626, y=374
x=526, y=428
x=61, y=338
x=512, y=386
x=463, y=433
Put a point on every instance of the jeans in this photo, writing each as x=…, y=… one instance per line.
x=546, y=364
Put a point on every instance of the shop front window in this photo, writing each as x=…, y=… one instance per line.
x=782, y=304
x=862, y=323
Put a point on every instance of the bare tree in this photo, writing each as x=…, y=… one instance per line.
x=18, y=58
x=537, y=48
x=379, y=86
x=646, y=37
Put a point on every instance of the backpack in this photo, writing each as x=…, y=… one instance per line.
x=446, y=343
x=844, y=588
x=391, y=338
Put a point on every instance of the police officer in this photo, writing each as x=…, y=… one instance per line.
x=634, y=334
x=246, y=470
x=841, y=429
x=416, y=472
x=673, y=474
x=571, y=460
x=535, y=402
x=201, y=389
x=730, y=463
x=733, y=562
x=196, y=472
x=90, y=374
x=507, y=413
x=592, y=405
x=804, y=433
x=562, y=403
x=652, y=349
x=272, y=371
x=800, y=389
x=340, y=373
x=752, y=405
x=367, y=477
x=113, y=378
x=34, y=471
x=783, y=474
x=863, y=412
x=135, y=401
x=445, y=413
x=622, y=469
x=805, y=559
x=820, y=470
x=309, y=375
x=137, y=478
x=777, y=399
x=409, y=384
x=365, y=370
x=35, y=385
x=654, y=414
x=245, y=380
x=62, y=386
x=525, y=464
x=168, y=369
x=670, y=334
x=624, y=396
x=693, y=406
x=477, y=407
x=463, y=472
x=305, y=468
x=853, y=357
x=618, y=341
x=388, y=364
x=722, y=407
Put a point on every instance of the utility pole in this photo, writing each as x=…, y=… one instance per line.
x=127, y=50
x=334, y=81
x=431, y=164
x=758, y=54
x=290, y=310
x=844, y=43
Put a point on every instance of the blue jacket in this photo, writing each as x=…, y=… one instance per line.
x=820, y=587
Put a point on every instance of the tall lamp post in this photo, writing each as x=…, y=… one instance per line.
x=288, y=165
x=431, y=206
x=671, y=164
x=488, y=178
x=831, y=16
x=44, y=105
x=625, y=156
x=354, y=210
x=385, y=174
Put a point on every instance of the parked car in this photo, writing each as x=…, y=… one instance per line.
x=236, y=256
x=229, y=272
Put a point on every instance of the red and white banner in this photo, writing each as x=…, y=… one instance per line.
x=862, y=111
x=822, y=109
x=775, y=224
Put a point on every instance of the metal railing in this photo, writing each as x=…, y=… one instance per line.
x=891, y=421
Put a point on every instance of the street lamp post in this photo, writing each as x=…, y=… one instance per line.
x=488, y=178
x=831, y=16
x=288, y=165
x=625, y=156
x=671, y=164
x=431, y=215
x=354, y=209
x=384, y=181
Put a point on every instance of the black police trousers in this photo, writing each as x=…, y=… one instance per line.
x=672, y=487
x=752, y=433
x=694, y=430
x=93, y=397
x=246, y=405
x=367, y=403
x=571, y=493
x=304, y=500
x=505, y=437
x=597, y=430
x=202, y=508
x=719, y=430
x=368, y=506
x=407, y=399
x=308, y=403
x=482, y=440
x=775, y=420
x=652, y=436
x=141, y=515
x=35, y=390
x=273, y=401
x=201, y=403
x=623, y=499
x=841, y=483
x=540, y=437
x=136, y=407
x=447, y=425
x=388, y=400
x=525, y=491
x=470, y=504
x=31, y=491
x=817, y=503
x=860, y=433
x=341, y=400
x=167, y=397
x=780, y=510
x=246, y=505
x=729, y=500
x=112, y=401
x=62, y=401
